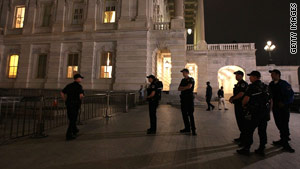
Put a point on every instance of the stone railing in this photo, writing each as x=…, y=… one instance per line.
x=236, y=46
x=161, y=26
x=222, y=47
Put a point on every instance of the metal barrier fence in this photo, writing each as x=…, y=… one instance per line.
x=32, y=116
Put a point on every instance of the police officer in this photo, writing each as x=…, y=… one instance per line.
x=282, y=96
x=152, y=97
x=255, y=102
x=208, y=97
x=187, y=102
x=73, y=94
x=236, y=99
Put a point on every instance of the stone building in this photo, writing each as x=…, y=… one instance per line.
x=115, y=44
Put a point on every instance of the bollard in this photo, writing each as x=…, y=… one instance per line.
x=40, y=128
x=126, y=102
x=107, y=106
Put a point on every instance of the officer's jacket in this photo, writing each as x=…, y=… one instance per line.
x=185, y=82
x=241, y=86
x=281, y=92
x=73, y=91
x=152, y=87
x=259, y=97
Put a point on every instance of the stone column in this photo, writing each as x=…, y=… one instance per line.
x=178, y=21
x=24, y=67
x=58, y=25
x=30, y=18
x=54, y=66
x=87, y=68
x=90, y=23
x=142, y=18
x=200, y=27
x=125, y=10
x=178, y=7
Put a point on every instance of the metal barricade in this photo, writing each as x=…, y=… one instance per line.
x=32, y=116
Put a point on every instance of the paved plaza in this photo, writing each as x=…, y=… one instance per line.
x=121, y=143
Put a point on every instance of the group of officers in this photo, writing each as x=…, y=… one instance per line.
x=252, y=105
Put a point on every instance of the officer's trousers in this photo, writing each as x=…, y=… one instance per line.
x=187, y=109
x=240, y=119
x=260, y=122
x=153, y=104
x=282, y=118
x=72, y=112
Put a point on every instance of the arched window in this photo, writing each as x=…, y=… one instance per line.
x=106, y=65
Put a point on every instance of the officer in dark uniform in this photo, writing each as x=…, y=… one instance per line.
x=152, y=97
x=236, y=99
x=73, y=94
x=208, y=97
x=255, y=103
x=187, y=102
x=282, y=96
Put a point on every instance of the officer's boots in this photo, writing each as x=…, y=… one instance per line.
x=260, y=150
x=244, y=151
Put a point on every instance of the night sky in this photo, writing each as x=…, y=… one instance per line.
x=252, y=21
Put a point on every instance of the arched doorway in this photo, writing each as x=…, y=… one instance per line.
x=226, y=78
x=193, y=69
x=163, y=68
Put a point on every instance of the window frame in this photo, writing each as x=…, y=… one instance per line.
x=16, y=17
x=75, y=7
x=110, y=10
x=104, y=64
x=68, y=61
x=45, y=66
x=49, y=5
x=8, y=66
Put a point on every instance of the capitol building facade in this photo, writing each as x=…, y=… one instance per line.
x=115, y=44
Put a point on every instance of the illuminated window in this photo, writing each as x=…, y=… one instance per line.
x=73, y=63
x=19, y=17
x=13, y=66
x=42, y=64
x=106, y=65
x=78, y=14
x=110, y=15
x=47, y=15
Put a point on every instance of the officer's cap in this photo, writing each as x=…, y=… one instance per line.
x=76, y=76
x=239, y=73
x=151, y=76
x=254, y=73
x=275, y=71
x=185, y=70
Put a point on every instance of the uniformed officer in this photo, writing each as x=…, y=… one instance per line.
x=236, y=99
x=187, y=102
x=255, y=103
x=152, y=97
x=282, y=96
x=73, y=94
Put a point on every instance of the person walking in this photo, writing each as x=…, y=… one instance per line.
x=221, y=99
x=208, y=97
x=72, y=94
